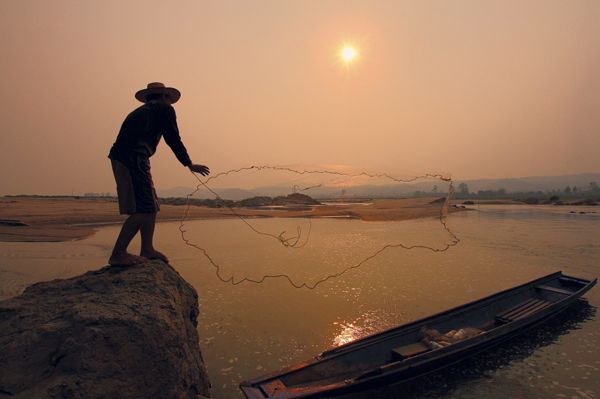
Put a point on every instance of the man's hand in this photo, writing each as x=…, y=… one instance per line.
x=203, y=170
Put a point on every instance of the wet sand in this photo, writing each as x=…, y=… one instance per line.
x=66, y=219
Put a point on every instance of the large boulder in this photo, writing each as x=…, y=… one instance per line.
x=118, y=332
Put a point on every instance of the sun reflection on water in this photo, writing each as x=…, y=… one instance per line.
x=371, y=322
x=349, y=333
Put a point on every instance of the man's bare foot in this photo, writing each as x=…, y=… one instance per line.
x=125, y=259
x=154, y=254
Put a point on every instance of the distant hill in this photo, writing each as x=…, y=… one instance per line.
x=523, y=184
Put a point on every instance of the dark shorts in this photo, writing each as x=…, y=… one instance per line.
x=134, y=185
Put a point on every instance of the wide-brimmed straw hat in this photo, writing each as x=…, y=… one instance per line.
x=158, y=88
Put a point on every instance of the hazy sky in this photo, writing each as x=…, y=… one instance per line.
x=475, y=89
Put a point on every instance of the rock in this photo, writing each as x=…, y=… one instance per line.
x=118, y=332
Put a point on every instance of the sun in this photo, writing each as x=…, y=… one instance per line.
x=348, y=53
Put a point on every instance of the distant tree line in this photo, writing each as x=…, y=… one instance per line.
x=292, y=199
x=588, y=191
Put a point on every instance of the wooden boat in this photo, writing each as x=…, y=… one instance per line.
x=422, y=346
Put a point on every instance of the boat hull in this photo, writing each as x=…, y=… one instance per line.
x=400, y=354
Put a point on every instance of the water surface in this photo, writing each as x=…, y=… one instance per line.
x=250, y=329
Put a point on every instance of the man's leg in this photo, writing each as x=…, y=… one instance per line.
x=147, y=233
x=130, y=228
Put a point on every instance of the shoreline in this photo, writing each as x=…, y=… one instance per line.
x=31, y=219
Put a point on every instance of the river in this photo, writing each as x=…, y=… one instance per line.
x=249, y=329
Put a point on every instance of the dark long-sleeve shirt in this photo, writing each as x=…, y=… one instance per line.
x=142, y=130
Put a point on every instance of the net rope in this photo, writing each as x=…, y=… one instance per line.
x=294, y=242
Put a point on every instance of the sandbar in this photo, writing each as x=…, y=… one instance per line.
x=55, y=219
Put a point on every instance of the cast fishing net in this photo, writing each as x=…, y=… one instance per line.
x=309, y=224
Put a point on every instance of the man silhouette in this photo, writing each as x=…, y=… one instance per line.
x=130, y=157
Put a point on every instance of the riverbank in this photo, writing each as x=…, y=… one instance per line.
x=36, y=219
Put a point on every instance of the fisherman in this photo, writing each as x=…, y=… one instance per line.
x=130, y=157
